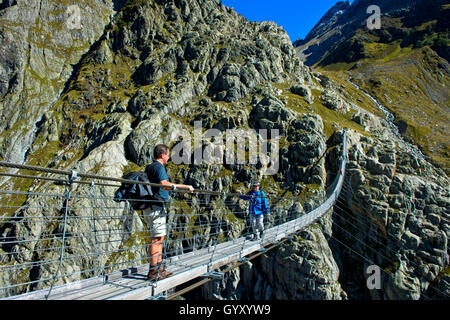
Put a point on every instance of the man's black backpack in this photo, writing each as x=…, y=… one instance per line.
x=137, y=191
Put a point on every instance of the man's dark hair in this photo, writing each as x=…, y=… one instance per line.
x=159, y=150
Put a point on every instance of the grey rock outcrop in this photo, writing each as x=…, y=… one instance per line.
x=150, y=132
x=391, y=196
x=270, y=113
x=332, y=101
x=34, y=72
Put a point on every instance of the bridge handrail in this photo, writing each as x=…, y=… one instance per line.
x=293, y=225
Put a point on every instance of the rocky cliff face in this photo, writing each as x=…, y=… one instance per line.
x=395, y=215
x=323, y=35
x=156, y=68
x=41, y=43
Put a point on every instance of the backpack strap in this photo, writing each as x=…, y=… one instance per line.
x=154, y=164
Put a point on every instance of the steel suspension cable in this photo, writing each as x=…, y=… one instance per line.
x=377, y=252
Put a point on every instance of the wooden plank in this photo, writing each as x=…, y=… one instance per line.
x=232, y=253
x=200, y=258
x=195, y=262
x=61, y=289
x=162, y=285
x=107, y=289
x=114, y=289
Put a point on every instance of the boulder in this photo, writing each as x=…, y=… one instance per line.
x=302, y=90
x=270, y=113
x=150, y=132
x=333, y=101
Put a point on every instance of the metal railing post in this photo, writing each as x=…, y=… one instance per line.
x=218, y=235
x=69, y=186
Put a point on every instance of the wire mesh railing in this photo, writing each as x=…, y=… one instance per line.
x=69, y=230
x=85, y=241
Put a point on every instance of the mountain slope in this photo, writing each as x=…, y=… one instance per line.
x=404, y=65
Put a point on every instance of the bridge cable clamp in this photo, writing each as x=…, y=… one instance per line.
x=262, y=249
x=243, y=260
x=159, y=296
x=216, y=275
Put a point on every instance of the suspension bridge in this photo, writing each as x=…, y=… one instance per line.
x=81, y=245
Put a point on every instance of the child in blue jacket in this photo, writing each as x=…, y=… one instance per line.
x=257, y=210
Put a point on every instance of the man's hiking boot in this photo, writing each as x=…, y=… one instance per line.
x=158, y=273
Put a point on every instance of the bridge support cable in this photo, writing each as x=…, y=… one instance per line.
x=223, y=207
x=370, y=261
x=340, y=206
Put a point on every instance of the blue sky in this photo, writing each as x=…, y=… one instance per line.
x=297, y=17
